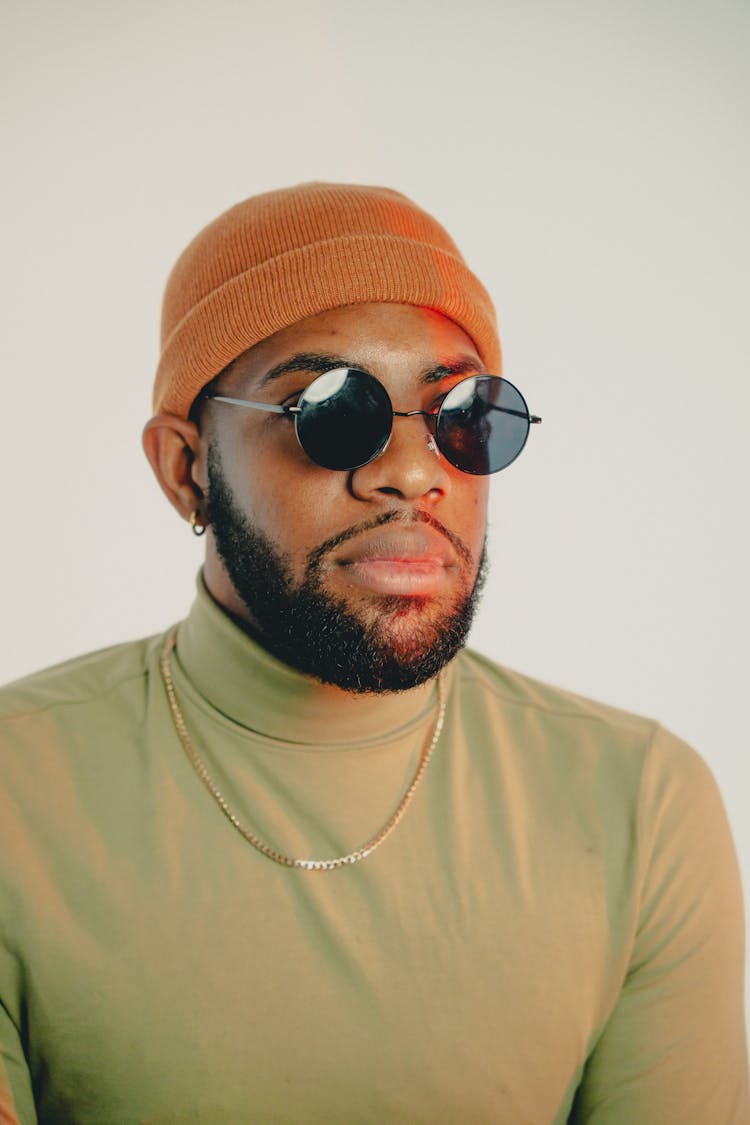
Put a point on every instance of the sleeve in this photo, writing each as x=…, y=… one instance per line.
x=16, y=1098
x=673, y=1051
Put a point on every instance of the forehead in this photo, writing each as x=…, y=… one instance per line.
x=386, y=339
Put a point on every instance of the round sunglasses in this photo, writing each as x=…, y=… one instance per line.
x=344, y=418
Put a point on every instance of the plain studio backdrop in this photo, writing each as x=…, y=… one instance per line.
x=591, y=161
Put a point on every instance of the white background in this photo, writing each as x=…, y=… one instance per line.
x=591, y=160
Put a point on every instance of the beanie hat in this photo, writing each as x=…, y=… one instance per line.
x=285, y=255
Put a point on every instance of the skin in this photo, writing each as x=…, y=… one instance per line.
x=407, y=574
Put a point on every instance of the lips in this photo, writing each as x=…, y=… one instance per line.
x=398, y=561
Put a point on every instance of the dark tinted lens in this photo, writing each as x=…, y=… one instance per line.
x=482, y=425
x=345, y=419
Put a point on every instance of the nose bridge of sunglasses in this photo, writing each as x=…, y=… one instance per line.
x=430, y=431
x=430, y=423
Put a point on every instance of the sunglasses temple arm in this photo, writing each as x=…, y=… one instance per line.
x=533, y=418
x=272, y=408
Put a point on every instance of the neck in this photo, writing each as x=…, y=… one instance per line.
x=220, y=663
x=223, y=593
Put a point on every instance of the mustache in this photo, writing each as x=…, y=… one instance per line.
x=394, y=516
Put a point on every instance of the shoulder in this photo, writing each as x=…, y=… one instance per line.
x=638, y=793
x=81, y=681
x=577, y=736
x=519, y=693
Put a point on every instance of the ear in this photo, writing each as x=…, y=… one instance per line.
x=173, y=446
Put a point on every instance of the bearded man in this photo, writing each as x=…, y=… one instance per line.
x=304, y=858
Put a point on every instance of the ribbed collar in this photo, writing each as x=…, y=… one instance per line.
x=237, y=677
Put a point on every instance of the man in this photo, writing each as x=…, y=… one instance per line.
x=302, y=859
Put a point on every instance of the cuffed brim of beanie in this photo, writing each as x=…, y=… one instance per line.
x=324, y=275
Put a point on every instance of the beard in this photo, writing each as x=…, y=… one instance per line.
x=403, y=644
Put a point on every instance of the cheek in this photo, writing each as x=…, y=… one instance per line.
x=260, y=471
x=290, y=513
x=292, y=502
x=472, y=505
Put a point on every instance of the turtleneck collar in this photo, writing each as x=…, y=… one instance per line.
x=240, y=679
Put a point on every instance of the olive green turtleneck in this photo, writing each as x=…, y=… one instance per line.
x=558, y=909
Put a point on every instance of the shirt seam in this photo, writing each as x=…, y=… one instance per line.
x=82, y=700
x=558, y=712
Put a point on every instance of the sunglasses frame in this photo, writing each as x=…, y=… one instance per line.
x=433, y=416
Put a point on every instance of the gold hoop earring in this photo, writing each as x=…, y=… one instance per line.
x=198, y=528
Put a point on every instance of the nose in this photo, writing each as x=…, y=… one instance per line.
x=411, y=467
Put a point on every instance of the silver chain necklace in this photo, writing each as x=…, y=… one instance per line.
x=265, y=849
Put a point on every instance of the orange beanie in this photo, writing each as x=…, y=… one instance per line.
x=280, y=257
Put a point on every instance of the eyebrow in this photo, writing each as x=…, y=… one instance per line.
x=318, y=363
x=461, y=365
